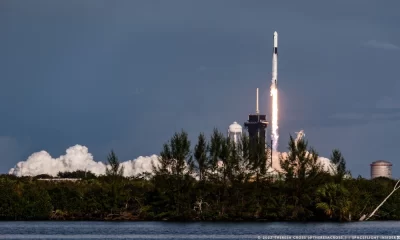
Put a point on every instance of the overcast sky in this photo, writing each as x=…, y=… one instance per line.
x=128, y=74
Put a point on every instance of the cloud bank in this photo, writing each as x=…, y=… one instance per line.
x=76, y=158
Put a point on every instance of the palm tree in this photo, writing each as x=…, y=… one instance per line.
x=333, y=200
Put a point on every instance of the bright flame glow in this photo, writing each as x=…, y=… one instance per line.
x=274, y=131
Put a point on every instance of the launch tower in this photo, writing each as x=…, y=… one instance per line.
x=256, y=126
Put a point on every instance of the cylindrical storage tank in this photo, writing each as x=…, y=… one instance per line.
x=381, y=168
x=235, y=132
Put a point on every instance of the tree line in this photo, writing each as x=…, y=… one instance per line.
x=216, y=180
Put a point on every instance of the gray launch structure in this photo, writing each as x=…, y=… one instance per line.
x=256, y=126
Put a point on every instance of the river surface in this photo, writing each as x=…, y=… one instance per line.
x=199, y=231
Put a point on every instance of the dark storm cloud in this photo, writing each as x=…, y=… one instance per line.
x=127, y=74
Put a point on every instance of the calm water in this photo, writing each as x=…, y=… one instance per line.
x=163, y=230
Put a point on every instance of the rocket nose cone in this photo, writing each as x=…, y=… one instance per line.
x=275, y=33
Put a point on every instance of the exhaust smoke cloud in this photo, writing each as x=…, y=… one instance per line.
x=77, y=158
x=274, y=125
x=325, y=163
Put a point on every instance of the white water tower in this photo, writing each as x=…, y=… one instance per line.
x=381, y=168
x=235, y=132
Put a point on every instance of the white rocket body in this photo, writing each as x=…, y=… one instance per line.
x=275, y=61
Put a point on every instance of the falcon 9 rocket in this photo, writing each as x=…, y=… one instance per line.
x=275, y=61
x=274, y=95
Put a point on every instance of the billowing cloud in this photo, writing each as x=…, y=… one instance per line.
x=76, y=158
x=325, y=163
x=382, y=45
x=140, y=165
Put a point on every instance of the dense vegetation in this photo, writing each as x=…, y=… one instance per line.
x=194, y=185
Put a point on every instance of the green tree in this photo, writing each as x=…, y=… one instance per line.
x=36, y=202
x=338, y=164
x=301, y=162
x=173, y=177
x=300, y=168
x=215, y=149
x=115, y=169
x=176, y=157
x=333, y=199
x=200, y=154
x=115, y=173
x=10, y=200
x=228, y=191
x=77, y=174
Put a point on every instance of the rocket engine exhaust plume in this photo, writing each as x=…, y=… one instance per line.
x=274, y=131
x=274, y=95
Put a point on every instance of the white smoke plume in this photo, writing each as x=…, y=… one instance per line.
x=77, y=158
x=325, y=162
x=140, y=165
